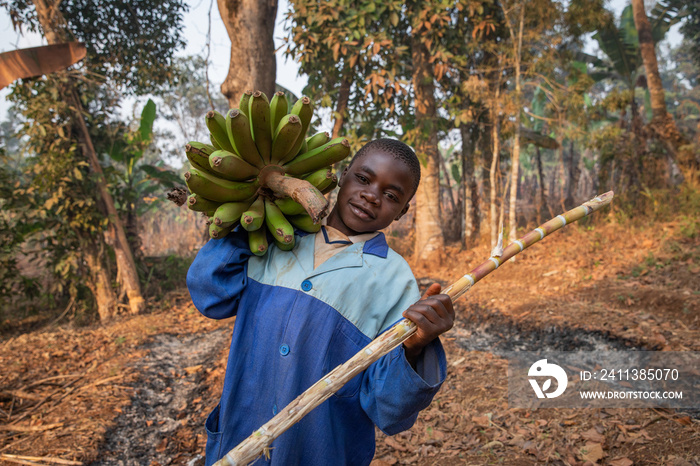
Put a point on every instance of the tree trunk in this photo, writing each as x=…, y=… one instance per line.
x=648, y=52
x=116, y=235
x=429, y=239
x=662, y=123
x=448, y=183
x=471, y=194
x=515, y=163
x=574, y=173
x=99, y=282
x=495, y=155
x=250, y=25
x=492, y=174
x=342, y=106
x=542, y=204
x=55, y=31
x=561, y=166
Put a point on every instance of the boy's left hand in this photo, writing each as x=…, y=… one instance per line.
x=433, y=315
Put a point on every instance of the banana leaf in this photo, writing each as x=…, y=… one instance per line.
x=38, y=61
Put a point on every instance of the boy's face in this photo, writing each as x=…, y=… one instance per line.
x=374, y=191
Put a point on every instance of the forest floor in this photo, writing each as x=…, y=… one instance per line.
x=137, y=391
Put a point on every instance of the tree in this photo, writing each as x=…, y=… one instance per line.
x=516, y=38
x=624, y=64
x=370, y=56
x=662, y=123
x=130, y=49
x=426, y=22
x=355, y=55
x=250, y=25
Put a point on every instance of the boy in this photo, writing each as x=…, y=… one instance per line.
x=301, y=313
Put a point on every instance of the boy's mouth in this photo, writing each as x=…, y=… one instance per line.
x=361, y=212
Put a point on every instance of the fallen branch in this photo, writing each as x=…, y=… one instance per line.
x=45, y=459
x=20, y=428
x=259, y=442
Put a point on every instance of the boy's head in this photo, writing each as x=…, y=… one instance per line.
x=376, y=187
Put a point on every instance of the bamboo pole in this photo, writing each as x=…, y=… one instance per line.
x=258, y=443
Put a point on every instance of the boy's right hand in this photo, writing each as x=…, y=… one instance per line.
x=433, y=316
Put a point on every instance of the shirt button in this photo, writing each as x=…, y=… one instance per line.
x=284, y=350
x=306, y=285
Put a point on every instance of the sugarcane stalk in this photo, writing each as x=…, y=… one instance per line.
x=258, y=443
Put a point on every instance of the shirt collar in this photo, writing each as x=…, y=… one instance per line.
x=375, y=245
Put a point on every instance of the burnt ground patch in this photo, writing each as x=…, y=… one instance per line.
x=483, y=329
x=152, y=428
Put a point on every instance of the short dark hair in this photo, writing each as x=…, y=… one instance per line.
x=398, y=150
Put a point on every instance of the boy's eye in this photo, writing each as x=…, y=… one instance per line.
x=361, y=178
x=392, y=196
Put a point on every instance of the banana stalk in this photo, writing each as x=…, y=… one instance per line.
x=259, y=442
x=299, y=190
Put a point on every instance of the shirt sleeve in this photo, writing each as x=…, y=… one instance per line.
x=393, y=393
x=218, y=275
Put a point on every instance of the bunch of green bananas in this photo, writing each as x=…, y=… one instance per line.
x=227, y=177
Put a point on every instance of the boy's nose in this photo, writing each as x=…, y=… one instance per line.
x=369, y=196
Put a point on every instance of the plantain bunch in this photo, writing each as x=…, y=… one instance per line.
x=227, y=178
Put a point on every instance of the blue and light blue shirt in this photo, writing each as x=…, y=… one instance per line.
x=294, y=324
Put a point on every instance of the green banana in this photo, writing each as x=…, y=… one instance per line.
x=243, y=103
x=278, y=109
x=227, y=125
x=320, y=178
x=217, y=232
x=304, y=222
x=230, y=213
x=289, y=206
x=323, y=156
x=252, y=219
x=217, y=189
x=317, y=140
x=286, y=135
x=284, y=246
x=206, y=149
x=216, y=123
x=259, y=116
x=304, y=110
x=213, y=142
x=333, y=184
x=238, y=129
x=257, y=241
x=282, y=231
x=201, y=204
x=198, y=155
x=231, y=166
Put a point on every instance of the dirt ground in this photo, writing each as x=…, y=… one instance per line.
x=137, y=391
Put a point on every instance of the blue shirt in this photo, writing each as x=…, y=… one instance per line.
x=294, y=324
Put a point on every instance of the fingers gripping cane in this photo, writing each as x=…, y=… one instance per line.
x=258, y=443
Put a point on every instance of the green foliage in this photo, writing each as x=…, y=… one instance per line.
x=691, y=27
x=50, y=210
x=136, y=179
x=355, y=51
x=53, y=206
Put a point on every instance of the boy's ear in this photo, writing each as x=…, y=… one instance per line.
x=342, y=175
x=403, y=211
